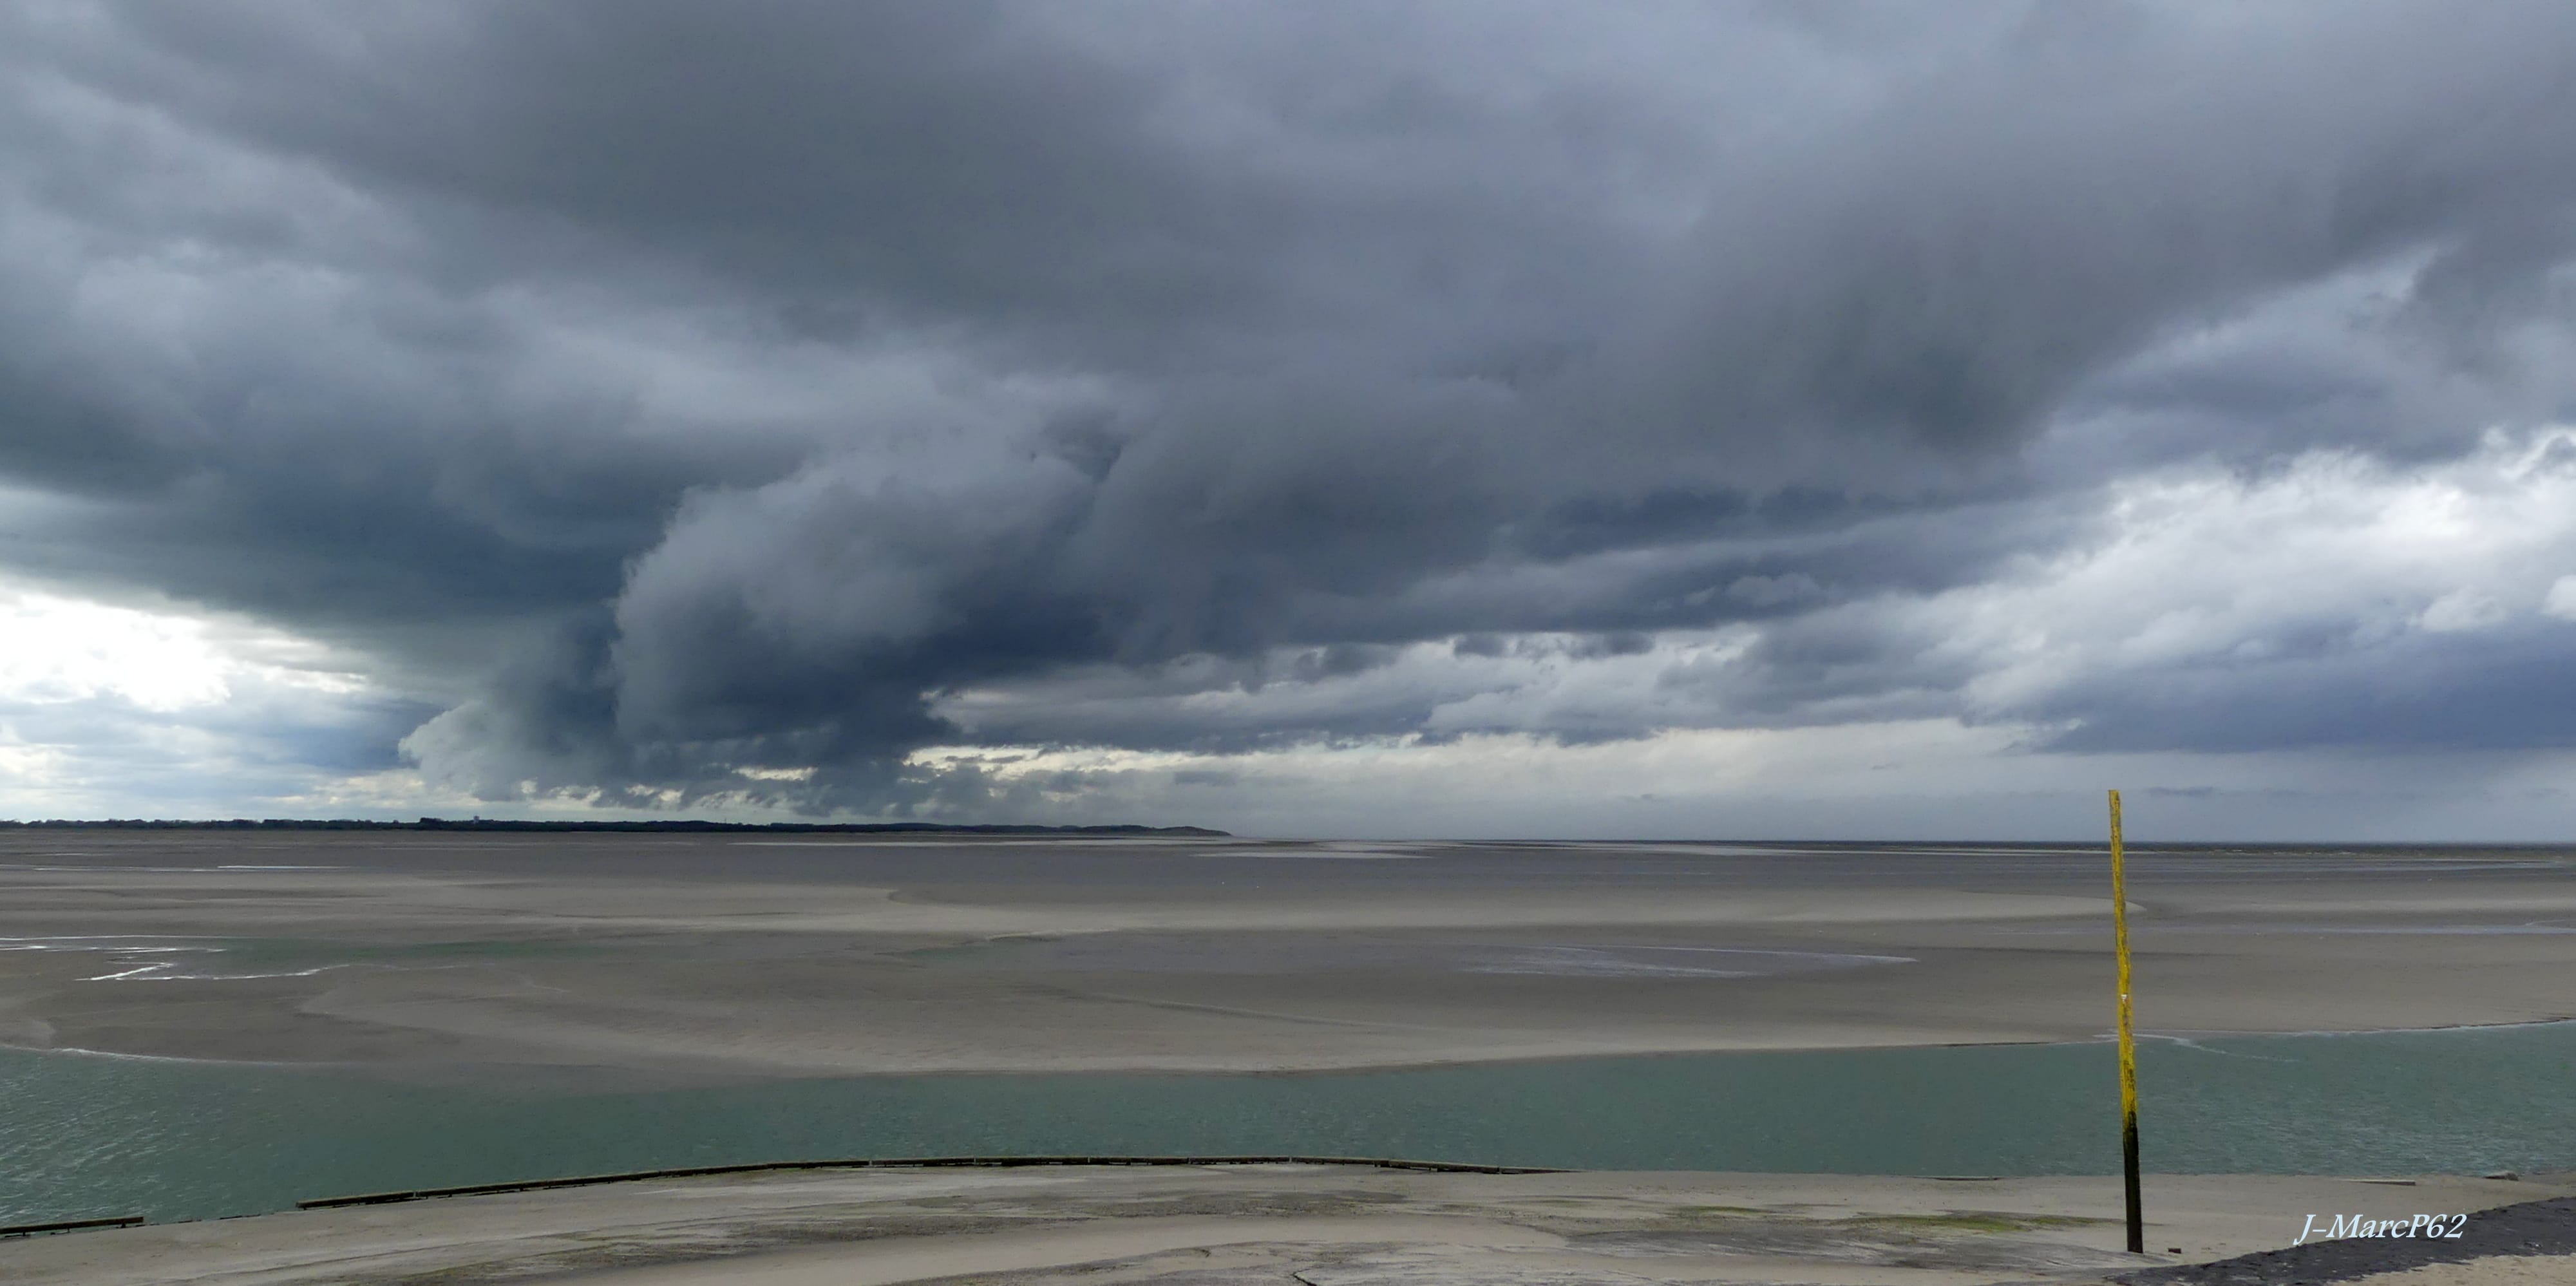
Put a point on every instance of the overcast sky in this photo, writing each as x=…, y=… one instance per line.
x=1479, y=419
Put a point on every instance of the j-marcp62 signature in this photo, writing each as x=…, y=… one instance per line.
x=2403, y=1226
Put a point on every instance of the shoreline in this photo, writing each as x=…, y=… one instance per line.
x=2186, y=1038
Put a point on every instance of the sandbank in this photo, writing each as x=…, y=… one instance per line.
x=711, y=956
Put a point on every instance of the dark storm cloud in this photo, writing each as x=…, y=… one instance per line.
x=772, y=382
x=861, y=155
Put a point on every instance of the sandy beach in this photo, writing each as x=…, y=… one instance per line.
x=663, y=959
x=1255, y=957
x=686, y=955
x=1318, y=1225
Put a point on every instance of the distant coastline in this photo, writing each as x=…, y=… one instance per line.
x=686, y=826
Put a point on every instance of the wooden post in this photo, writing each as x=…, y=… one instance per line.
x=2128, y=1035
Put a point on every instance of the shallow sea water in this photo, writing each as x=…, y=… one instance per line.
x=87, y=1135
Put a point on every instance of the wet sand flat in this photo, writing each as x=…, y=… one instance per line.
x=1320, y=1225
x=803, y=956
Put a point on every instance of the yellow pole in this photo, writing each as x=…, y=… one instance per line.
x=2128, y=1035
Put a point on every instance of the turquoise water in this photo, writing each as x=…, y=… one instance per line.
x=85, y=1135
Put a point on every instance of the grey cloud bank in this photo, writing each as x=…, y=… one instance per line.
x=866, y=407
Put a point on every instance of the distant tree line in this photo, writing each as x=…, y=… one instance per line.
x=679, y=825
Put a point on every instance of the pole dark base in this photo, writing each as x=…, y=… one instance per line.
x=2129, y=1172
